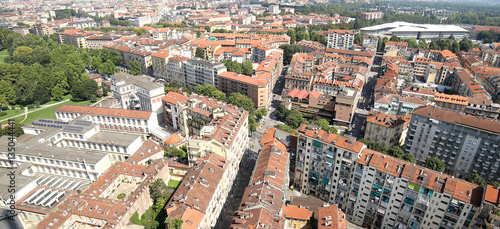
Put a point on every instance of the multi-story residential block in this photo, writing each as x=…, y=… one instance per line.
x=137, y=92
x=100, y=206
x=274, y=9
x=170, y=111
x=130, y=54
x=41, y=29
x=340, y=39
x=372, y=15
x=160, y=65
x=113, y=119
x=299, y=75
x=393, y=48
x=201, y=195
x=492, y=57
x=176, y=71
x=97, y=42
x=466, y=144
x=324, y=164
x=384, y=129
x=397, y=105
x=255, y=87
x=200, y=72
x=331, y=217
x=387, y=192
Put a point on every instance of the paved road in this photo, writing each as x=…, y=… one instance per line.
x=236, y=194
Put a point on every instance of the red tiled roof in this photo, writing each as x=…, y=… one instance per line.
x=296, y=212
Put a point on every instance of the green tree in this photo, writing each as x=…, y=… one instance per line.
x=422, y=44
x=325, y=125
x=241, y=100
x=121, y=196
x=247, y=68
x=3, y=101
x=396, y=151
x=207, y=28
x=252, y=125
x=358, y=38
x=41, y=94
x=434, y=164
x=395, y=38
x=495, y=184
x=289, y=51
x=302, y=35
x=158, y=189
x=7, y=91
x=286, y=128
x=175, y=223
x=476, y=179
x=291, y=34
x=18, y=131
x=135, y=68
x=281, y=112
x=455, y=47
x=409, y=157
x=104, y=89
x=109, y=68
x=294, y=119
x=210, y=91
x=200, y=53
x=174, y=151
x=57, y=93
x=433, y=46
x=451, y=37
x=260, y=113
x=198, y=33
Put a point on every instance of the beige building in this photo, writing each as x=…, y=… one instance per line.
x=384, y=129
x=97, y=42
x=372, y=15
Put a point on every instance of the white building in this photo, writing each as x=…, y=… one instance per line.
x=199, y=72
x=113, y=119
x=340, y=39
x=274, y=9
x=417, y=31
x=137, y=92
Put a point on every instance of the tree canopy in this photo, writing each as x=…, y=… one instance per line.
x=434, y=164
x=135, y=68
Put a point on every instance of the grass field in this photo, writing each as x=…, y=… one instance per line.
x=3, y=54
x=173, y=183
x=47, y=113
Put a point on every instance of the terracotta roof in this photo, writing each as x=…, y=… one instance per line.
x=385, y=120
x=104, y=111
x=436, y=181
x=455, y=99
x=173, y=97
x=272, y=164
x=296, y=212
x=491, y=195
x=331, y=138
x=257, y=81
x=173, y=139
x=457, y=118
x=148, y=149
x=336, y=218
x=160, y=55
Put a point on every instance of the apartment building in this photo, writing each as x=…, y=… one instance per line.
x=387, y=192
x=257, y=87
x=492, y=57
x=97, y=42
x=201, y=195
x=324, y=164
x=384, y=129
x=372, y=15
x=170, y=111
x=340, y=39
x=300, y=73
x=397, y=105
x=200, y=72
x=160, y=65
x=296, y=216
x=176, y=71
x=41, y=29
x=394, y=48
x=99, y=204
x=111, y=119
x=491, y=207
x=130, y=54
x=466, y=144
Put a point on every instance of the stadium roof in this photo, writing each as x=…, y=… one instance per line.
x=401, y=26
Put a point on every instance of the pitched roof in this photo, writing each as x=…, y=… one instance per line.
x=296, y=212
x=173, y=97
x=104, y=111
x=331, y=217
x=457, y=118
x=174, y=138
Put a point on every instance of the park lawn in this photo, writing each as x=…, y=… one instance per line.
x=173, y=184
x=48, y=112
x=4, y=53
x=11, y=113
x=63, y=98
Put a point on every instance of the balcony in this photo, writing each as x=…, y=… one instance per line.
x=358, y=173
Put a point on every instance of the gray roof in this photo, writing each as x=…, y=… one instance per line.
x=21, y=180
x=66, y=154
x=205, y=62
x=122, y=139
x=143, y=81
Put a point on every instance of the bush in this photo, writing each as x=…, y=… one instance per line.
x=31, y=106
x=3, y=113
x=135, y=218
x=121, y=196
